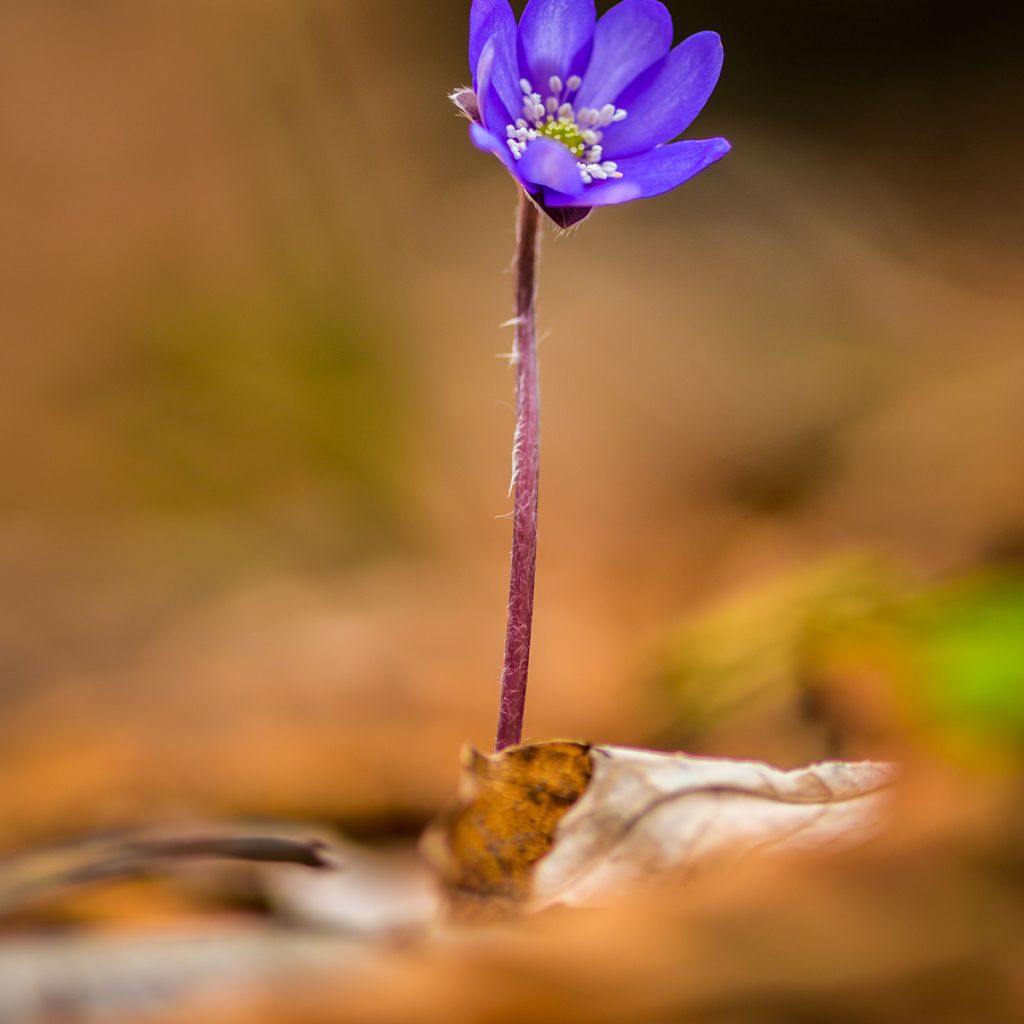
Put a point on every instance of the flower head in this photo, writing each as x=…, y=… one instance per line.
x=582, y=111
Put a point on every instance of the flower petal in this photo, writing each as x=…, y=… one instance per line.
x=486, y=19
x=555, y=37
x=494, y=114
x=493, y=21
x=649, y=174
x=665, y=99
x=631, y=37
x=488, y=143
x=549, y=163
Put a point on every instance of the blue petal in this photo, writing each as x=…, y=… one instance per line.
x=555, y=37
x=550, y=164
x=493, y=111
x=665, y=99
x=631, y=37
x=487, y=18
x=493, y=20
x=649, y=174
x=488, y=143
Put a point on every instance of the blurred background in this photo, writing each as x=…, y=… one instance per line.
x=256, y=432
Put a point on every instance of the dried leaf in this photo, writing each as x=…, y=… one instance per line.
x=564, y=822
x=381, y=892
x=485, y=846
x=647, y=812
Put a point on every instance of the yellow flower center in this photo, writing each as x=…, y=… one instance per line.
x=567, y=133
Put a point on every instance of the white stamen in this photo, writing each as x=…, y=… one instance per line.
x=552, y=118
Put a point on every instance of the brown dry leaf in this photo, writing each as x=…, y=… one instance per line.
x=564, y=822
x=503, y=821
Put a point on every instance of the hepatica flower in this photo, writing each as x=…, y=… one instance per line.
x=582, y=112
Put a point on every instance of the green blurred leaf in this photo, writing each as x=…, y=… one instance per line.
x=754, y=654
x=971, y=641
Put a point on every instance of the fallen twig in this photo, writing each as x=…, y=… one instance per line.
x=41, y=874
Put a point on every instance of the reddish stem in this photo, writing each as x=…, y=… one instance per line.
x=525, y=478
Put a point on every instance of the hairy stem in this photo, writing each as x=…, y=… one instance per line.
x=525, y=479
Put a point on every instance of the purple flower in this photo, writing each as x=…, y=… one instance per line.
x=582, y=112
